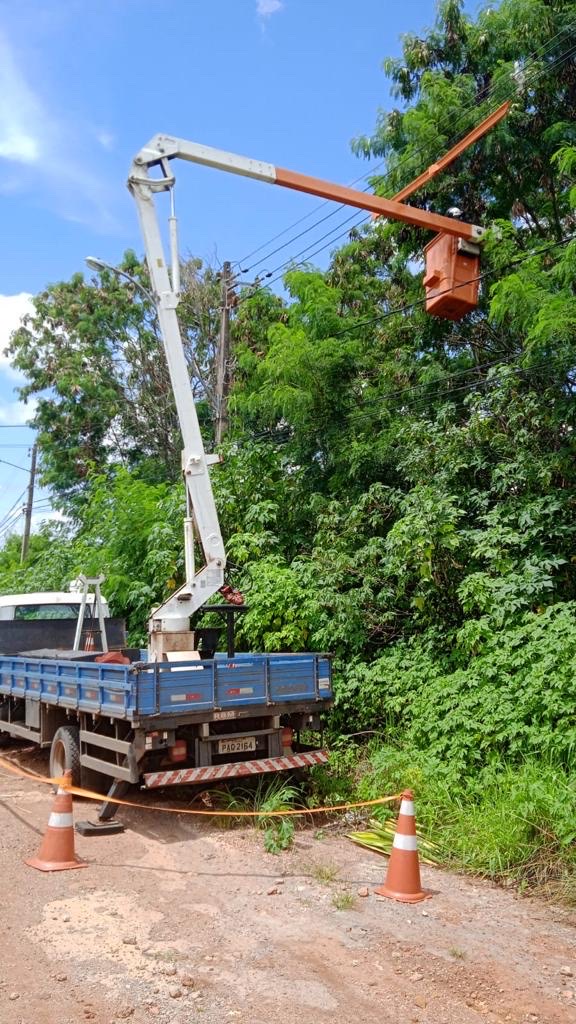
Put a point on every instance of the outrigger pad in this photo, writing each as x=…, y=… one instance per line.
x=100, y=828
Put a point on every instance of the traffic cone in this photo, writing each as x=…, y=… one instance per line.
x=403, y=877
x=57, y=849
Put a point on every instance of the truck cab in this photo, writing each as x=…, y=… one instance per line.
x=46, y=605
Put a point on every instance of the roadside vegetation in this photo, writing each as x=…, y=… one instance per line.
x=397, y=489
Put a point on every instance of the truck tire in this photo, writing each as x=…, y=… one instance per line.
x=65, y=753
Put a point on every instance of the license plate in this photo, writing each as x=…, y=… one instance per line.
x=240, y=746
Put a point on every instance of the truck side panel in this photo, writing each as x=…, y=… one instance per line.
x=139, y=692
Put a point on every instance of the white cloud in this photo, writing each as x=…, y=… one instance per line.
x=12, y=309
x=16, y=414
x=106, y=139
x=20, y=113
x=44, y=146
x=45, y=517
x=265, y=8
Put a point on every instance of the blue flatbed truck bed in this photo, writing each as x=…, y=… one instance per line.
x=167, y=723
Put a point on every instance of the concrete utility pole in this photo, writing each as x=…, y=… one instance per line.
x=29, y=504
x=223, y=356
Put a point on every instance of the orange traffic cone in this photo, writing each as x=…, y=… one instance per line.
x=57, y=849
x=403, y=877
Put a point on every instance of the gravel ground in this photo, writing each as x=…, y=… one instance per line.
x=176, y=921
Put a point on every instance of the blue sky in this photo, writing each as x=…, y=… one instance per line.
x=85, y=83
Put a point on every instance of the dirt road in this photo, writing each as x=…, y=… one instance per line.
x=177, y=922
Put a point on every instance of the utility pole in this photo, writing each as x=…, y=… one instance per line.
x=29, y=504
x=223, y=356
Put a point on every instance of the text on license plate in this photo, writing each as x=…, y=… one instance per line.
x=239, y=746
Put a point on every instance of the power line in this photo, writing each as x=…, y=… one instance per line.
x=378, y=400
x=11, y=509
x=487, y=273
x=477, y=385
x=24, y=469
x=353, y=216
x=473, y=386
x=529, y=81
x=9, y=526
x=538, y=53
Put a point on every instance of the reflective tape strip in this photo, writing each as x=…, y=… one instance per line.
x=60, y=820
x=407, y=807
x=238, y=768
x=405, y=842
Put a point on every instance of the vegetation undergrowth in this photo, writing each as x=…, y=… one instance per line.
x=267, y=798
x=485, y=739
x=397, y=489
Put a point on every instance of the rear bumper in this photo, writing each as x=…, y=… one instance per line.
x=239, y=769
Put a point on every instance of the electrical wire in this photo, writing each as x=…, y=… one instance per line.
x=294, y=258
x=472, y=280
x=532, y=59
x=480, y=384
x=10, y=510
x=400, y=392
x=9, y=526
x=25, y=469
x=364, y=413
x=529, y=82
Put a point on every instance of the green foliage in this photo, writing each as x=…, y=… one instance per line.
x=94, y=364
x=507, y=822
x=344, y=901
x=397, y=489
x=130, y=531
x=512, y=697
x=267, y=799
x=279, y=836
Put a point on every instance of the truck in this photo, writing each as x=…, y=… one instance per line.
x=181, y=712
x=121, y=716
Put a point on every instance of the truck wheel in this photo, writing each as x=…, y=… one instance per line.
x=65, y=753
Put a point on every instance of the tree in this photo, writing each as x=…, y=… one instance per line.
x=94, y=364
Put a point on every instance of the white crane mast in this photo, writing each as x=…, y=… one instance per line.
x=173, y=616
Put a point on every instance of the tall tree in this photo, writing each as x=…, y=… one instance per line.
x=94, y=364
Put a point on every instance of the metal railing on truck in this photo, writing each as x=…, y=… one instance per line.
x=129, y=691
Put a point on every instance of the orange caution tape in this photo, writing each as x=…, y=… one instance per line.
x=89, y=795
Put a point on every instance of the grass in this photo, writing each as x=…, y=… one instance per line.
x=325, y=874
x=266, y=799
x=457, y=953
x=511, y=822
x=343, y=901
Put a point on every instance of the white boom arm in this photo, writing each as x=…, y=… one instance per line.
x=200, y=586
x=157, y=154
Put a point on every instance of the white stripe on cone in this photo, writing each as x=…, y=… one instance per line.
x=405, y=842
x=57, y=820
x=407, y=807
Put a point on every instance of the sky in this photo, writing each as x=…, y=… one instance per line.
x=84, y=84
